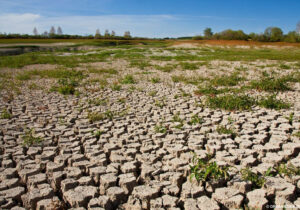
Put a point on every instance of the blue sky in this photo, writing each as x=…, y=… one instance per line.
x=149, y=18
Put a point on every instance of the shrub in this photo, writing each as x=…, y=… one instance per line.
x=205, y=170
x=231, y=102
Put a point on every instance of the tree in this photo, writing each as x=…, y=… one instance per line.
x=45, y=33
x=274, y=34
x=59, y=31
x=35, y=32
x=52, y=31
x=113, y=33
x=127, y=34
x=298, y=28
x=106, y=33
x=208, y=33
x=97, y=35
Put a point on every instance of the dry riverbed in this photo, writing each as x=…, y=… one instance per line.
x=150, y=128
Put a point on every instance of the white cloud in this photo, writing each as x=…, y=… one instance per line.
x=138, y=25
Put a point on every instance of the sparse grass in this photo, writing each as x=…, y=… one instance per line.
x=116, y=87
x=297, y=134
x=177, y=119
x=122, y=100
x=98, y=102
x=231, y=102
x=257, y=181
x=207, y=90
x=195, y=120
x=65, y=86
x=160, y=128
x=103, y=71
x=272, y=103
x=153, y=93
x=195, y=80
x=30, y=139
x=97, y=134
x=226, y=80
x=223, y=130
x=160, y=103
x=284, y=66
x=155, y=80
x=207, y=170
x=270, y=84
x=128, y=79
x=287, y=170
x=167, y=68
x=95, y=116
x=6, y=114
x=189, y=66
x=141, y=64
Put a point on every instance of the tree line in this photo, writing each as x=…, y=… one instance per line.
x=58, y=34
x=271, y=34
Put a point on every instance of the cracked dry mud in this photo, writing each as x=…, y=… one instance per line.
x=130, y=166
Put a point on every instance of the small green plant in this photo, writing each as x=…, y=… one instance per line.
x=290, y=118
x=94, y=117
x=195, y=120
x=231, y=80
x=208, y=90
x=6, y=114
x=155, y=80
x=153, y=93
x=287, y=170
x=207, y=170
x=160, y=128
x=272, y=103
x=122, y=100
x=66, y=86
x=297, y=134
x=116, y=87
x=257, y=181
x=223, y=130
x=270, y=84
x=97, y=102
x=184, y=94
x=30, y=139
x=128, y=79
x=189, y=66
x=160, y=103
x=97, y=134
x=176, y=118
x=231, y=102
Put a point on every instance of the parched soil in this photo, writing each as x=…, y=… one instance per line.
x=128, y=143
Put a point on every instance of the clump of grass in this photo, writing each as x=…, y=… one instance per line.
x=103, y=71
x=141, y=64
x=23, y=76
x=155, y=80
x=207, y=170
x=176, y=118
x=97, y=134
x=65, y=86
x=160, y=128
x=270, y=83
x=297, y=134
x=287, y=170
x=167, y=68
x=122, y=100
x=195, y=120
x=128, y=79
x=116, y=87
x=230, y=80
x=257, y=181
x=34, y=86
x=223, y=130
x=95, y=116
x=195, y=80
x=208, y=90
x=153, y=93
x=30, y=139
x=231, y=102
x=189, y=66
x=284, y=66
x=97, y=102
x=160, y=103
x=272, y=103
x=6, y=114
